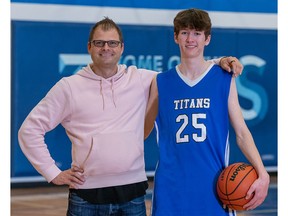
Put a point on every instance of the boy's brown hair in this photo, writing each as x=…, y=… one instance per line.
x=193, y=19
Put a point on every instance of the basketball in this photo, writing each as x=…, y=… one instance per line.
x=233, y=183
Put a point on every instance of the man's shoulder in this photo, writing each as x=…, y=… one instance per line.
x=133, y=69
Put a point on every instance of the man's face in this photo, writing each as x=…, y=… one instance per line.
x=105, y=56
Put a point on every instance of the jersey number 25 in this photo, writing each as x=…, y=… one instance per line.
x=197, y=137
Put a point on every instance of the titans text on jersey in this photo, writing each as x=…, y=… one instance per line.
x=192, y=103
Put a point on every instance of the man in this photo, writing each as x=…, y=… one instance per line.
x=193, y=127
x=102, y=109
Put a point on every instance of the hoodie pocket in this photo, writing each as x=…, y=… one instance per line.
x=114, y=153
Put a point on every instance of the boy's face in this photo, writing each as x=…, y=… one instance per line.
x=191, y=42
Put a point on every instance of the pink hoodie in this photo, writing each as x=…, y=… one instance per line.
x=104, y=119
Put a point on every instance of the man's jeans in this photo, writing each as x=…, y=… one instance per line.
x=79, y=207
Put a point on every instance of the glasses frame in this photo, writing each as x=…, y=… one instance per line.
x=109, y=43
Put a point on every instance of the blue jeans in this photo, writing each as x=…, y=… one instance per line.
x=79, y=207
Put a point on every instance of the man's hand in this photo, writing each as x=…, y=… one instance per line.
x=72, y=177
x=231, y=64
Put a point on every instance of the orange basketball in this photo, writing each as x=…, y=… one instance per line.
x=233, y=184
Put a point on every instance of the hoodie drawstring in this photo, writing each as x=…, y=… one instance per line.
x=102, y=95
x=112, y=89
x=101, y=92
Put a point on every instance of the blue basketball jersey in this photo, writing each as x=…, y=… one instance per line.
x=193, y=129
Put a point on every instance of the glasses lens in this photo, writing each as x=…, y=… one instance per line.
x=101, y=43
x=113, y=43
x=98, y=43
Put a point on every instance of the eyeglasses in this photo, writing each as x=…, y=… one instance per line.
x=101, y=43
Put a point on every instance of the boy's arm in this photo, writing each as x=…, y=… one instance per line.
x=246, y=143
x=152, y=108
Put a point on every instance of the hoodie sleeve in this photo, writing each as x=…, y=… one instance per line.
x=45, y=116
x=146, y=79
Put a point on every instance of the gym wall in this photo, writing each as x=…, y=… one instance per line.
x=49, y=41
